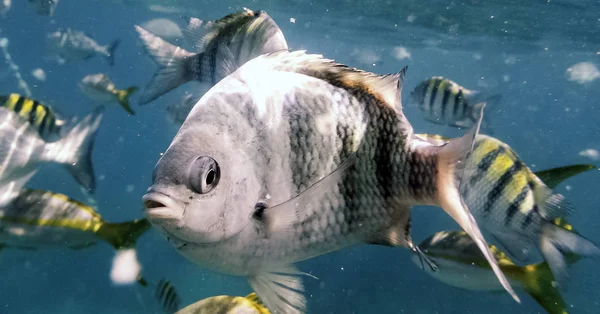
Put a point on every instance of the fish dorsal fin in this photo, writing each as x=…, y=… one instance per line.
x=386, y=88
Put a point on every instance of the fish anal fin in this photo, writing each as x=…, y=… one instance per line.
x=281, y=289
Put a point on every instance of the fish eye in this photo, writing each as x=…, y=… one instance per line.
x=203, y=175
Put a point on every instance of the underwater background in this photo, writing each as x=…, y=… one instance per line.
x=520, y=49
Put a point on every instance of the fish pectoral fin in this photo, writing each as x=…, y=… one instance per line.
x=285, y=215
x=452, y=158
x=281, y=289
x=398, y=233
x=553, y=177
x=227, y=63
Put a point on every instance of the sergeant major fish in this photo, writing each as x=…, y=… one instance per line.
x=69, y=44
x=517, y=207
x=443, y=101
x=49, y=124
x=293, y=156
x=100, y=88
x=22, y=149
x=247, y=34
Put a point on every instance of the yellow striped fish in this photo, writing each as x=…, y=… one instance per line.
x=45, y=120
x=459, y=263
x=517, y=207
x=443, y=101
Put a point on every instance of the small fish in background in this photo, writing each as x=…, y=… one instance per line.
x=165, y=29
x=443, y=101
x=69, y=45
x=39, y=74
x=44, y=7
x=23, y=150
x=37, y=219
x=246, y=34
x=518, y=206
x=178, y=111
x=222, y=304
x=48, y=123
x=101, y=89
x=4, y=7
x=459, y=263
x=295, y=156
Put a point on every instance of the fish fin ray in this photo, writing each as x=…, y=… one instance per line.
x=553, y=177
x=257, y=303
x=538, y=282
x=281, y=289
x=227, y=63
x=196, y=33
x=452, y=160
x=174, y=66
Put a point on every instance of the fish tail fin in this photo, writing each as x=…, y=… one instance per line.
x=123, y=98
x=110, y=57
x=561, y=246
x=124, y=234
x=539, y=283
x=74, y=150
x=452, y=160
x=175, y=65
x=257, y=303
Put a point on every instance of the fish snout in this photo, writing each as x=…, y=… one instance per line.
x=160, y=206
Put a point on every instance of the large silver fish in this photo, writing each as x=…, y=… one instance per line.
x=22, y=149
x=247, y=34
x=69, y=44
x=293, y=156
x=178, y=111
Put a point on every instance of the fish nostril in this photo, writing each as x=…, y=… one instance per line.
x=153, y=204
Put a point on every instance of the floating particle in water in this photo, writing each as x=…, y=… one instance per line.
x=401, y=53
x=292, y=20
x=582, y=73
x=569, y=188
x=411, y=18
x=506, y=78
x=477, y=56
x=510, y=60
x=101, y=177
x=590, y=153
x=365, y=56
x=39, y=74
x=125, y=268
x=129, y=188
x=121, y=139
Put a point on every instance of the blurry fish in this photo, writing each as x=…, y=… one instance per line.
x=44, y=7
x=459, y=263
x=101, y=89
x=49, y=125
x=445, y=102
x=69, y=45
x=167, y=297
x=517, y=207
x=246, y=34
x=177, y=112
x=5, y=6
x=22, y=149
x=294, y=156
x=165, y=29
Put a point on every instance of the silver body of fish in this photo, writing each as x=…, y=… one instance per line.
x=98, y=87
x=70, y=44
x=293, y=156
x=178, y=111
x=22, y=150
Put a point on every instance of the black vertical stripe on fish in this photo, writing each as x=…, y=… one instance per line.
x=516, y=205
x=434, y=90
x=33, y=113
x=485, y=164
x=19, y=104
x=445, y=100
x=500, y=185
x=529, y=217
x=213, y=64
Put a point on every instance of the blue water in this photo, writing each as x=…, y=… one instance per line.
x=545, y=117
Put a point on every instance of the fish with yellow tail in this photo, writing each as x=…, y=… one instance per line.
x=100, y=88
x=222, y=304
x=293, y=156
x=247, y=34
x=459, y=263
x=512, y=203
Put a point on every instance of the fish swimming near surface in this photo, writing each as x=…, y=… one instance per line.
x=36, y=219
x=459, y=263
x=246, y=34
x=517, y=207
x=293, y=156
x=44, y=7
x=178, y=111
x=69, y=45
x=443, y=101
x=222, y=304
x=101, y=89
x=49, y=124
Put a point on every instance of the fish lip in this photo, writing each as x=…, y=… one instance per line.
x=160, y=206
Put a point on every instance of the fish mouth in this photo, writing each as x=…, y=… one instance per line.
x=160, y=206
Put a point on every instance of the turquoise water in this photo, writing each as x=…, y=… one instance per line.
x=521, y=50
